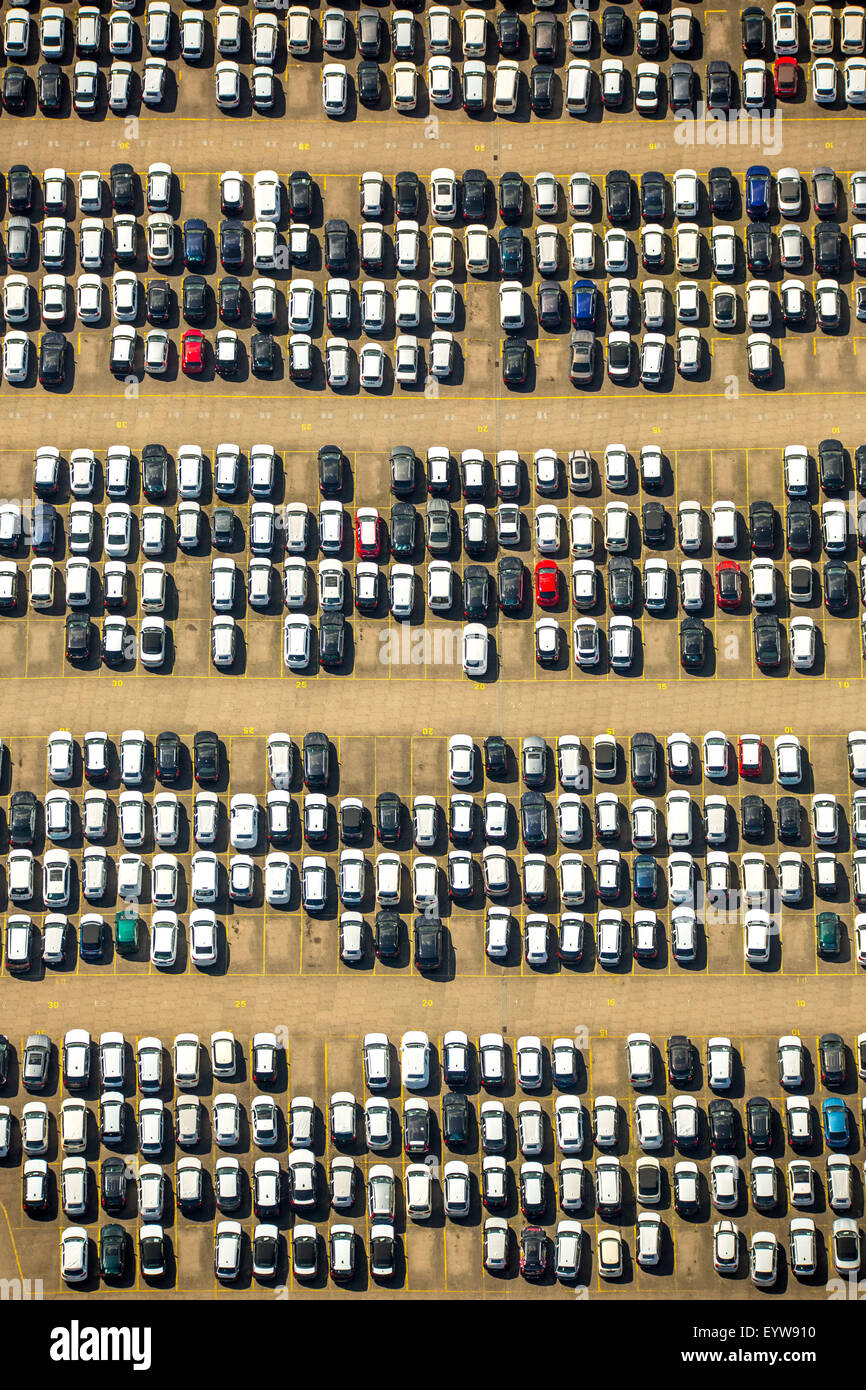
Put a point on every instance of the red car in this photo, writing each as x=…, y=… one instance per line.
x=368, y=533
x=729, y=585
x=786, y=77
x=192, y=352
x=750, y=755
x=546, y=583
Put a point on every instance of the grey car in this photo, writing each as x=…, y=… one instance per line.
x=438, y=526
x=533, y=761
x=19, y=235
x=37, y=1055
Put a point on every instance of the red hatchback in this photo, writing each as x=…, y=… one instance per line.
x=786, y=77
x=192, y=353
x=368, y=533
x=729, y=584
x=546, y=583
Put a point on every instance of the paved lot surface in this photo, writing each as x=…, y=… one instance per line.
x=722, y=438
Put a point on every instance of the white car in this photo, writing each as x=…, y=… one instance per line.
x=785, y=35
x=582, y=246
x=415, y=1060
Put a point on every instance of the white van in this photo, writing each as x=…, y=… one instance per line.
x=678, y=805
x=153, y=587
x=506, y=86
x=577, y=87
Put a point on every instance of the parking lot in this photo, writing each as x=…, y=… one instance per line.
x=399, y=694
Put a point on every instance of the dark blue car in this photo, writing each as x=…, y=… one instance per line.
x=644, y=878
x=584, y=304
x=834, y=1118
x=758, y=191
x=194, y=242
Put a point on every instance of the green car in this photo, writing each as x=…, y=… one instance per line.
x=112, y=1251
x=829, y=931
x=126, y=934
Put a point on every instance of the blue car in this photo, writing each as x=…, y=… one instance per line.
x=194, y=242
x=584, y=304
x=758, y=192
x=834, y=1118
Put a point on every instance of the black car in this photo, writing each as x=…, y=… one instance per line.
x=122, y=184
x=52, y=359
x=515, y=361
x=299, y=192
x=753, y=817
x=388, y=818
x=654, y=523
x=416, y=1131
x=544, y=38
x=112, y=1183
x=22, y=818
x=369, y=79
x=229, y=299
x=644, y=761
x=613, y=28
x=509, y=33
x=369, y=28
x=78, y=634
x=337, y=245
x=754, y=27
x=159, y=301
x=511, y=192
x=403, y=470
x=194, y=298
x=549, y=304
x=828, y=248
x=112, y=1251
x=620, y=583
x=317, y=762
x=222, y=528
x=330, y=466
x=831, y=465
x=693, y=643
x=719, y=86
x=49, y=88
x=456, y=1120
x=167, y=757
x=836, y=585
x=407, y=192
x=387, y=935
x=681, y=86
x=722, y=1117
x=474, y=195
x=759, y=1123
x=762, y=525
x=154, y=471
x=767, y=635
x=860, y=466
x=831, y=1052
x=653, y=196
x=720, y=189
x=533, y=820
x=681, y=1060
x=759, y=247
x=495, y=756
x=205, y=757
x=533, y=1252
x=14, y=88
x=788, y=818
x=332, y=639
x=541, y=90
x=617, y=195
x=511, y=583
x=353, y=822
x=476, y=592
x=404, y=529
x=231, y=245
x=263, y=354
x=427, y=943
x=510, y=253
x=798, y=526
